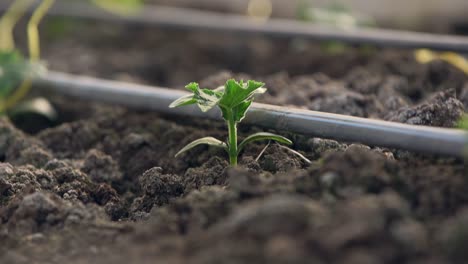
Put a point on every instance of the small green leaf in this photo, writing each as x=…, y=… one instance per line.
x=193, y=86
x=207, y=99
x=204, y=98
x=240, y=110
x=238, y=97
x=263, y=136
x=203, y=141
x=237, y=92
x=12, y=71
x=14, y=68
x=184, y=100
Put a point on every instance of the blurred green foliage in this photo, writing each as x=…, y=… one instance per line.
x=335, y=15
x=58, y=27
x=13, y=69
x=16, y=72
x=463, y=123
x=123, y=7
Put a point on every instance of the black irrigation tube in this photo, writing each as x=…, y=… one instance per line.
x=205, y=20
x=442, y=141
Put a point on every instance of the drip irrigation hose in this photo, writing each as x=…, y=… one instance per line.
x=423, y=139
x=205, y=20
x=184, y=18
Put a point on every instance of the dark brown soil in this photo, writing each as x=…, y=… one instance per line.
x=104, y=187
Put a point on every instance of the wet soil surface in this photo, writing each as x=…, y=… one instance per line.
x=104, y=187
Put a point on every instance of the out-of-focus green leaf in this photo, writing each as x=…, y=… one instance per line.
x=122, y=7
x=59, y=27
x=12, y=71
x=14, y=68
x=334, y=15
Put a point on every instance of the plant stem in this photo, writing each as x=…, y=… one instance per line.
x=8, y=21
x=33, y=32
x=232, y=140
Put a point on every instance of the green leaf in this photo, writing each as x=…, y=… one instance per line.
x=238, y=97
x=207, y=99
x=204, y=98
x=236, y=93
x=263, y=136
x=203, y=141
x=335, y=15
x=193, y=86
x=14, y=68
x=240, y=110
x=184, y=100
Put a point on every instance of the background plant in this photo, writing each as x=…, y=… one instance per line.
x=234, y=100
x=335, y=15
x=15, y=70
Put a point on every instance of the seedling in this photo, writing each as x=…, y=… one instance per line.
x=424, y=56
x=234, y=100
x=338, y=16
x=15, y=70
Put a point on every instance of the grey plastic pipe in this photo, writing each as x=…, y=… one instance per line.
x=431, y=140
x=204, y=20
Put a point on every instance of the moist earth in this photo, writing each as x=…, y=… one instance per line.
x=103, y=186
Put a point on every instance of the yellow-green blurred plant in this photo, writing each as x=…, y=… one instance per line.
x=457, y=60
x=122, y=7
x=334, y=15
x=15, y=70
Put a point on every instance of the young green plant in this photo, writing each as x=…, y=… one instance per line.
x=234, y=100
x=13, y=66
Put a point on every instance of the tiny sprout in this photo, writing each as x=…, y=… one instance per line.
x=234, y=100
